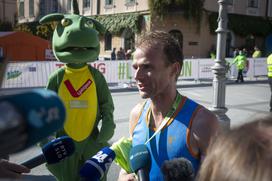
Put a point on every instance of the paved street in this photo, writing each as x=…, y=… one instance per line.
x=245, y=102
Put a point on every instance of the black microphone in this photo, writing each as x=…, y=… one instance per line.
x=140, y=161
x=28, y=117
x=53, y=152
x=178, y=169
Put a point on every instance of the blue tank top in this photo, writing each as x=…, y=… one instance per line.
x=172, y=141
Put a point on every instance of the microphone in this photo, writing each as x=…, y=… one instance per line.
x=140, y=161
x=178, y=169
x=28, y=117
x=53, y=152
x=96, y=167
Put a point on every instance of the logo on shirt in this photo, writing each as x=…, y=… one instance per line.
x=80, y=91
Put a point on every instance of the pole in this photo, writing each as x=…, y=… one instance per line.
x=219, y=68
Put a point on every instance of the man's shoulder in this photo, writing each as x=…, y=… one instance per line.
x=205, y=120
x=137, y=109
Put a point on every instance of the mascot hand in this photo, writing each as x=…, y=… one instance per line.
x=106, y=133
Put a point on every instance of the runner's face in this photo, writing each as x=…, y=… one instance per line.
x=152, y=75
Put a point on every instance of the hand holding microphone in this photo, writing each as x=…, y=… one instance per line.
x=27, y=118
x=52, y=152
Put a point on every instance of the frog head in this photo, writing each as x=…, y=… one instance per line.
x=76, y=38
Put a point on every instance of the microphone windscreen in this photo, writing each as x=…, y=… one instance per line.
x=178, y=169
x=95, y=167
x=58, y=149
x=41, y=109
x=139, y=157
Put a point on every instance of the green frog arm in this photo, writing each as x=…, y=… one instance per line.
x=55, y=80
x=106, y=106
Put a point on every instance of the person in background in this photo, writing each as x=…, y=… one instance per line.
x=257, y=52
x=241, y=154
x=113, y=54
x=128, y=54
x=184, y=127
x=269, y=75
x=245, y=52
x=240, y=62
x=121, y=54
x=11, y=170
x=235, y=52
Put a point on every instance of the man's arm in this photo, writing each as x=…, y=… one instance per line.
x=204, y=127
x=133, y=119
x=134, y=116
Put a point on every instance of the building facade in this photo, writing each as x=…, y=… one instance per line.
x=125, y=20
x=8, y=11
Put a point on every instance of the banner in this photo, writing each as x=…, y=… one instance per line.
x=36, y=74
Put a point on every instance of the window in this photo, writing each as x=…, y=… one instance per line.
x=42, y=8
x=108, y=39
x=108, y=2
x=130, y=2
x=48, y=6
x=86, y=4
x=230, y=2
x=21, y=8
x=31, y=8
x=69, y=5
x=253, y=3
x=54, y=6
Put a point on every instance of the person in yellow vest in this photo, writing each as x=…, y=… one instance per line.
x=257, y=52
x=240, y=62
x=269, y=75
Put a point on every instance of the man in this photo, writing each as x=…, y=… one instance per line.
x=121, y=54
x=269, y=74
x=257, y=53
x=188, y=126
x=240, y=62
x=113, y=54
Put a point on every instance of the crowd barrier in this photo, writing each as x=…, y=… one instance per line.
x=36, y=74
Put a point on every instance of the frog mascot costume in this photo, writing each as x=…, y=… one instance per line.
x=83, y=90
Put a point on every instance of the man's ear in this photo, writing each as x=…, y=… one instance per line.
x=51, y=17
x=176, y=69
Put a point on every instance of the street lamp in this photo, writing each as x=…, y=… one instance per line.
x=219, y=68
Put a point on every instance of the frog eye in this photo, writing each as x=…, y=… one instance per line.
x=90, y=24
x=65, y=22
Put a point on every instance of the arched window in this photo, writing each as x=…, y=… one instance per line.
x=129, y=39
x=178, y=36
x=108, y=41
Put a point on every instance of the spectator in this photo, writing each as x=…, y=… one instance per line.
x=269, y=75
x=245, y=52
x=240, y=62
x=121, y=54
x=242, y=154
x=113, y=54
x=11, y=170
x=184, y=126
x=235, y=52
x=128, y=54
x=257, y=53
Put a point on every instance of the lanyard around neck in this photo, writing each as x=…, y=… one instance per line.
x=168, y=116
